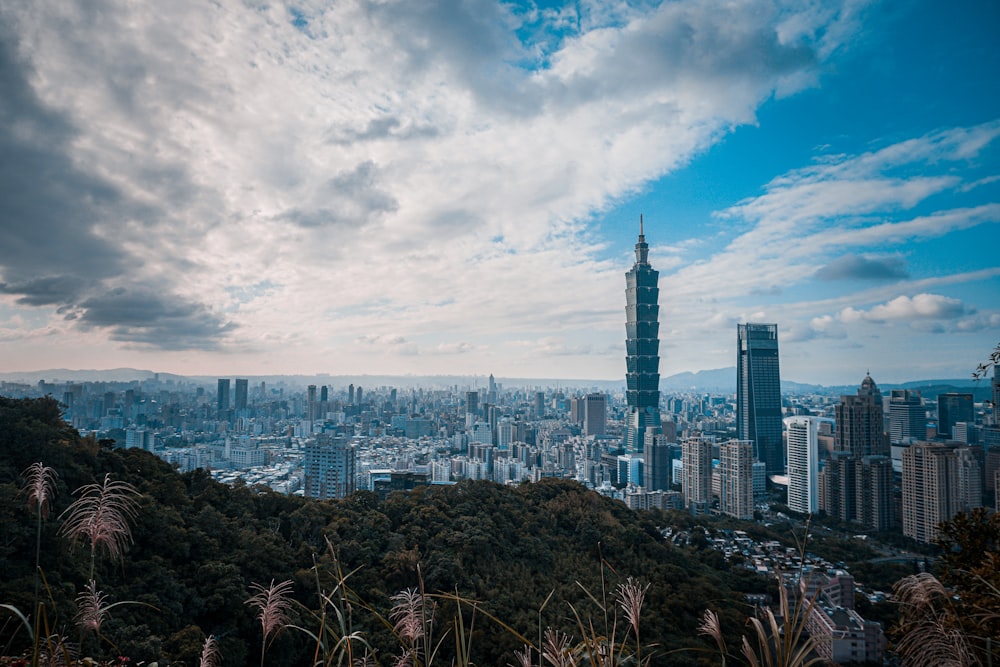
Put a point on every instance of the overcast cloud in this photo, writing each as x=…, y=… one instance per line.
x=339, y=185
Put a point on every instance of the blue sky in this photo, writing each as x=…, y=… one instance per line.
x=455, y=187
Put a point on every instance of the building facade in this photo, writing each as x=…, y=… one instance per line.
x=907, y=417
x=696, y=458
x=736, y=479
x=803, y=464
x=930, y=489
x=952, y=409
x=595, y=414
x=329, y=467
x=758, y=393
x=859, y=427
x=642, y=348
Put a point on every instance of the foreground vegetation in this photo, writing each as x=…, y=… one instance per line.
x=111, y=554
x=535, y=556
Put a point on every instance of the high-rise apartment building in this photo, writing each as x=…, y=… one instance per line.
x=471, y=402
x=970, y=478
x=329, y=467
x=930, y=489
x=838, y=487
x=952, y=409
x=873, y=497
x=803, y=464
x=860, y=427
x=907, y=417
x=642, y=348
x=222, y=397
x=242, y=390
x=696, y=459
x=595, y=415
x=736, y=484
x=758, y=393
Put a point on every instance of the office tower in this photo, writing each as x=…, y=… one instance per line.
x=242, y=388
x=907, y=418
x=696, y=458
x=657, y=460
x=222, y=398
x=859, y=427
x=539, y=404
x=576, y=407
x=952, y=409
x=736, y=492
x=803, y=464
x=873, y=497
x=491, y=392
x=758, y=393
x=930, y=489
x=642, y=348
x=324, y=394
x=595, y=415
x=329, y=467
x=350, y=394
x=471, y=402
x=357, y=395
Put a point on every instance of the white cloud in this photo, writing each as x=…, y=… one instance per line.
x=905, y=308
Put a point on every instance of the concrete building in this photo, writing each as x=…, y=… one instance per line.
x=696, y=455
x=859, y=427
x=907, y=417
x=736, y=497
x=873, y=498
x=595, y=414
x=930, y=489
x=329, y=467
x=803, y=464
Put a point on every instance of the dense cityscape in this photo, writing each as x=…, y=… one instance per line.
x=883, y=462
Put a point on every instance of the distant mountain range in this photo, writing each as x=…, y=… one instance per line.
x=719, y=380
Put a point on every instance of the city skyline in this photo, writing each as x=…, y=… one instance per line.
x=399, y=189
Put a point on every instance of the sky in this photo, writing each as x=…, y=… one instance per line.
x=455, y=187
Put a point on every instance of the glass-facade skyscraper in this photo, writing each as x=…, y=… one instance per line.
x=642, y=348
x=758, y=393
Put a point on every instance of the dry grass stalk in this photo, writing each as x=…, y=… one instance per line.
x=210, y=655
x=932, y=631
x=91, y=610
x=273, y=603
x=556, y=649
x=40, y=487
x=407, y=616
x=101, y=515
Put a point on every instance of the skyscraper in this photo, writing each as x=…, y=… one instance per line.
x=953, y=408
x=222, y=398
x=642, y=347
x=758, y=393
x=860, y=427
x=242, y=389
x=595, y=415
x=907, y=418
x=736, y=493
x=803, y=464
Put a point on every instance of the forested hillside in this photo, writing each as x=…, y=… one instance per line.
x=197, y=546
